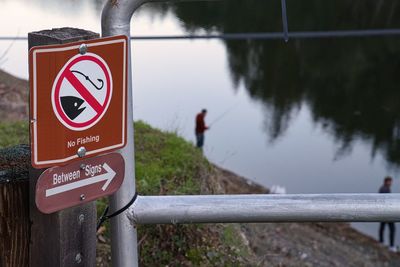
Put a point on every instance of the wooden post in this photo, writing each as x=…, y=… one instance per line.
x=14, y=206
x=66, y=238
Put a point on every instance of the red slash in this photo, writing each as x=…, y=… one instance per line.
x=92, y=101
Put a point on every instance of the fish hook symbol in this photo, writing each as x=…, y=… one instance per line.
x=88, y=79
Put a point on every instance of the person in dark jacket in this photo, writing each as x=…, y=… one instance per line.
x=200, y=128
x=385, y=188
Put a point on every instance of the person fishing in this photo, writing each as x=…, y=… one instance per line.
x=385, y=188
x=200, y=128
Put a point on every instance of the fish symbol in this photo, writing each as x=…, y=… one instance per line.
x=72, y=106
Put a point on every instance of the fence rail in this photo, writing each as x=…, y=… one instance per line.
x=266, y=208
x=260, y=35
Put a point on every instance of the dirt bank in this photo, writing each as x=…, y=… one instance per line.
x=303, y=244
x=13, y=98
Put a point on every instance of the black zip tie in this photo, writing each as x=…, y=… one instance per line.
x=104, y=217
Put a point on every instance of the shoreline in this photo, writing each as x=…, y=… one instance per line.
x=303, y=244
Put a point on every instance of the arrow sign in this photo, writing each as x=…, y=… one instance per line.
x=108, y=177
x=80, y=182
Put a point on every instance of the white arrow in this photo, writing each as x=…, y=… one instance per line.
x=108, y=176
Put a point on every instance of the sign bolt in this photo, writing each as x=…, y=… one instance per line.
x=81, y=152
x=83, y=197
x=83, y=166
x=78, y=258
x=81, y=218
x=82, y=49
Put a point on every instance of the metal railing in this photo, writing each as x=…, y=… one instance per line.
x=221, y=208
x=266, y=208
x=259, y=35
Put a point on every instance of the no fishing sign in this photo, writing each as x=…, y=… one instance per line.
x=78, y=102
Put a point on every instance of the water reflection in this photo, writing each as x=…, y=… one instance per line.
x=350, y=85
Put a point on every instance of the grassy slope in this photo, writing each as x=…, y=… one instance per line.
x=166, y=164
x=13, y=133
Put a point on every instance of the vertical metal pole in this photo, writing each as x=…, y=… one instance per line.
x=116, y=21
x=284, y=21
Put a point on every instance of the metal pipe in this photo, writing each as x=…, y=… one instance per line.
x=260, y=35
x=266, y=208
x=284, y=21
x=115, y=20
x=116, y=17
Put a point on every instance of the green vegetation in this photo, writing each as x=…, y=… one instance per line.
x=13, y=133
x=167, y=164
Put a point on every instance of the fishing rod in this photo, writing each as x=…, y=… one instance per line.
x=224, y=114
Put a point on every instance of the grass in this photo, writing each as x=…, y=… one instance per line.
x=13, y=133
x=166, y=164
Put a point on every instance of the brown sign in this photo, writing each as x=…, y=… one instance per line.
x=78, y=99
x=79, y=182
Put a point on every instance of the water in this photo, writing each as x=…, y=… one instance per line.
x=315, y=116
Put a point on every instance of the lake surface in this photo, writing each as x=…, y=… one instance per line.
x=314, y=116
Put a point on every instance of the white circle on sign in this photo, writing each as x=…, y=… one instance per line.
x=82, y=91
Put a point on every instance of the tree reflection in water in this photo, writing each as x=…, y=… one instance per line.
x=351, y=85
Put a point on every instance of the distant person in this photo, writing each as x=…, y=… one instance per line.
x=385, y=188
x=200, y=128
